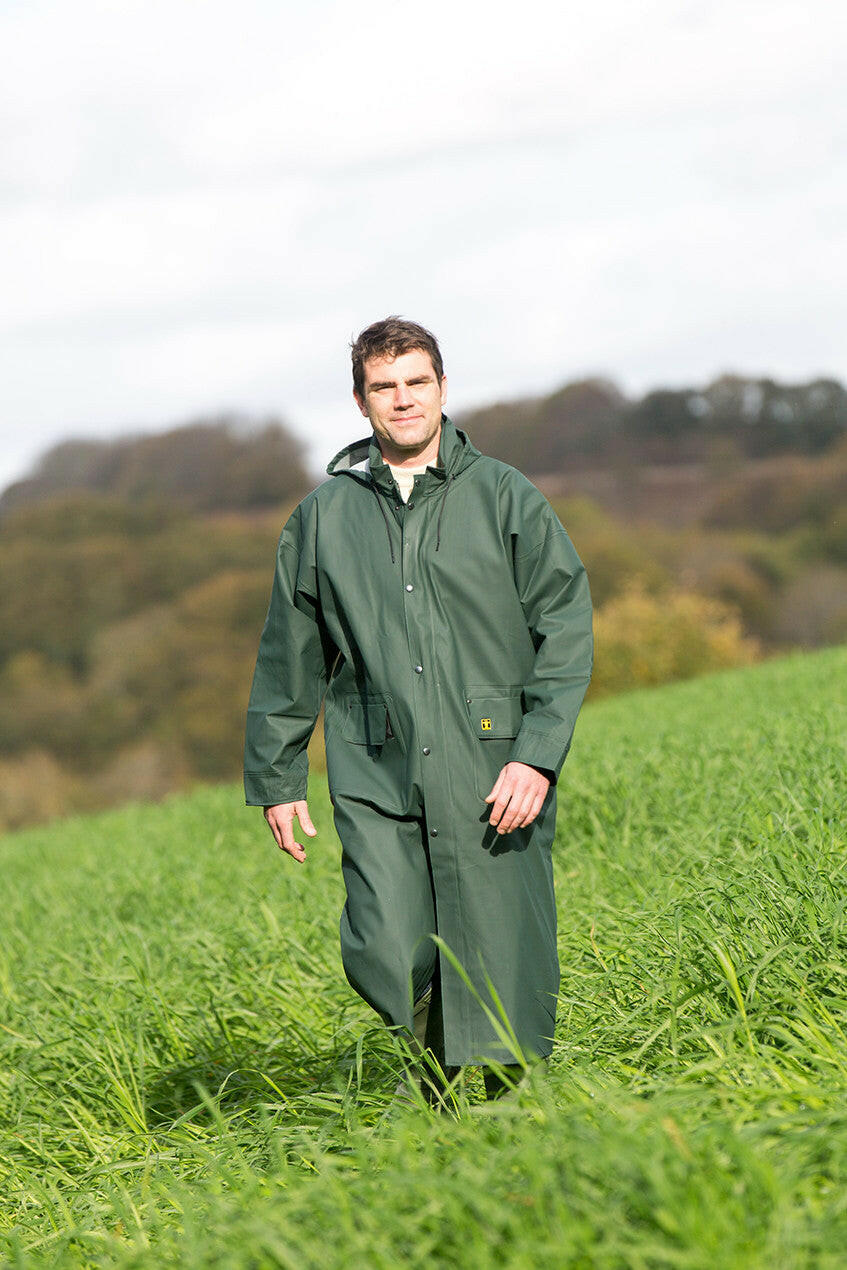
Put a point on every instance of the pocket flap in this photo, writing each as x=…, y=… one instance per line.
x=366, y=723
x=495, y=717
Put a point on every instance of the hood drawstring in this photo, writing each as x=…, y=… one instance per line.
x=441, y=511
x=438, y=525
x=385, y=518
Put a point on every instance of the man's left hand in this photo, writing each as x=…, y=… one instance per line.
x=517, y=794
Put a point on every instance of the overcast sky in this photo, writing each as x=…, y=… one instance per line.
x=201, y=203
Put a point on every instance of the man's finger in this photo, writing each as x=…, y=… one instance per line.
x=535, y=808
x=523, y=806
x=495, y=788
x=501, y=802
x=302, y=811
x=517, y=809
x=288, y=844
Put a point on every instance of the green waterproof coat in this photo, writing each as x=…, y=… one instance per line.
x=446, y=637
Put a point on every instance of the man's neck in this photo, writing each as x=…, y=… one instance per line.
x=408, y=467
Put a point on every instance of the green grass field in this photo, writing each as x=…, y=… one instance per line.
x=186, y=1079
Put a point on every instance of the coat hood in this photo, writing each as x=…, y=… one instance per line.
x=456, y=451
x=363, y=461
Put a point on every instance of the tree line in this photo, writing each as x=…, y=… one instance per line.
x=592, y=423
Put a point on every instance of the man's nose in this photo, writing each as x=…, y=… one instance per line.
x=402, y=397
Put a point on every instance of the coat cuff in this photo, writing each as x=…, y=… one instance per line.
x=266, y=789
x=539, y=749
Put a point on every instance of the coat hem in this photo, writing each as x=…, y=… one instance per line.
x=494, y=1054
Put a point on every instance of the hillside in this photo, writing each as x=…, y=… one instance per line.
x=128, y=636
x=221, y=462
x=186, y=1079
x=135, y=573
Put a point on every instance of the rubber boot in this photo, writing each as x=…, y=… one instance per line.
x=427, y=1043
x=404, y=1093
x=420, y=1019
x=496, y=1085
x=429, y=1030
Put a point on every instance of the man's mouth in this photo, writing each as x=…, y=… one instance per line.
x=407, y=419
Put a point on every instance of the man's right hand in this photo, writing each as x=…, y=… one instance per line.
x=280, y=817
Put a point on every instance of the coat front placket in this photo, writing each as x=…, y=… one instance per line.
x=441, y=771
x=443, y=813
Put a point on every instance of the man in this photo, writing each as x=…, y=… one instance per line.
x=432, y=595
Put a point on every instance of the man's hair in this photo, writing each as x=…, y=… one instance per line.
x=389, y=338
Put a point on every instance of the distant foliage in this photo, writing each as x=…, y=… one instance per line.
x=128, y=631
x=70, y=567
x=34, y=786
x=785, y=493
x=590, y=423
x=580, y=422
x=814, y=602
x=128, y=637
x=651, y=639
x=224, y=462
x=833, y=538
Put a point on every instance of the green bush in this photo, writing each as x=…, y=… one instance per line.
x=651, y=639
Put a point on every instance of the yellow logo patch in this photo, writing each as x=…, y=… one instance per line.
x=485, y=724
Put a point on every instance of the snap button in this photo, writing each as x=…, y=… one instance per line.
x=418, y=670
x=410, y=504
x=426, y=749
x=409, y=586
x=433, y=833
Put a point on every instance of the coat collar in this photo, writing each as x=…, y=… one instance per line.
x=455, y=452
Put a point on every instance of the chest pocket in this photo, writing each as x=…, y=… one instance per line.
x=495, y=716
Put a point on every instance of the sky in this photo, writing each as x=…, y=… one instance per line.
x=202, y=203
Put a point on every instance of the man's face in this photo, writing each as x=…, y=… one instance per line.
x=403, y=400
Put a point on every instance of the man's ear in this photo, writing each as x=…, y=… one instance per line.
x=443, y=390
x=360, y=402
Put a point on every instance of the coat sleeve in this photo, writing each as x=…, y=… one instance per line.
x=556, y=600
x=293, y=666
